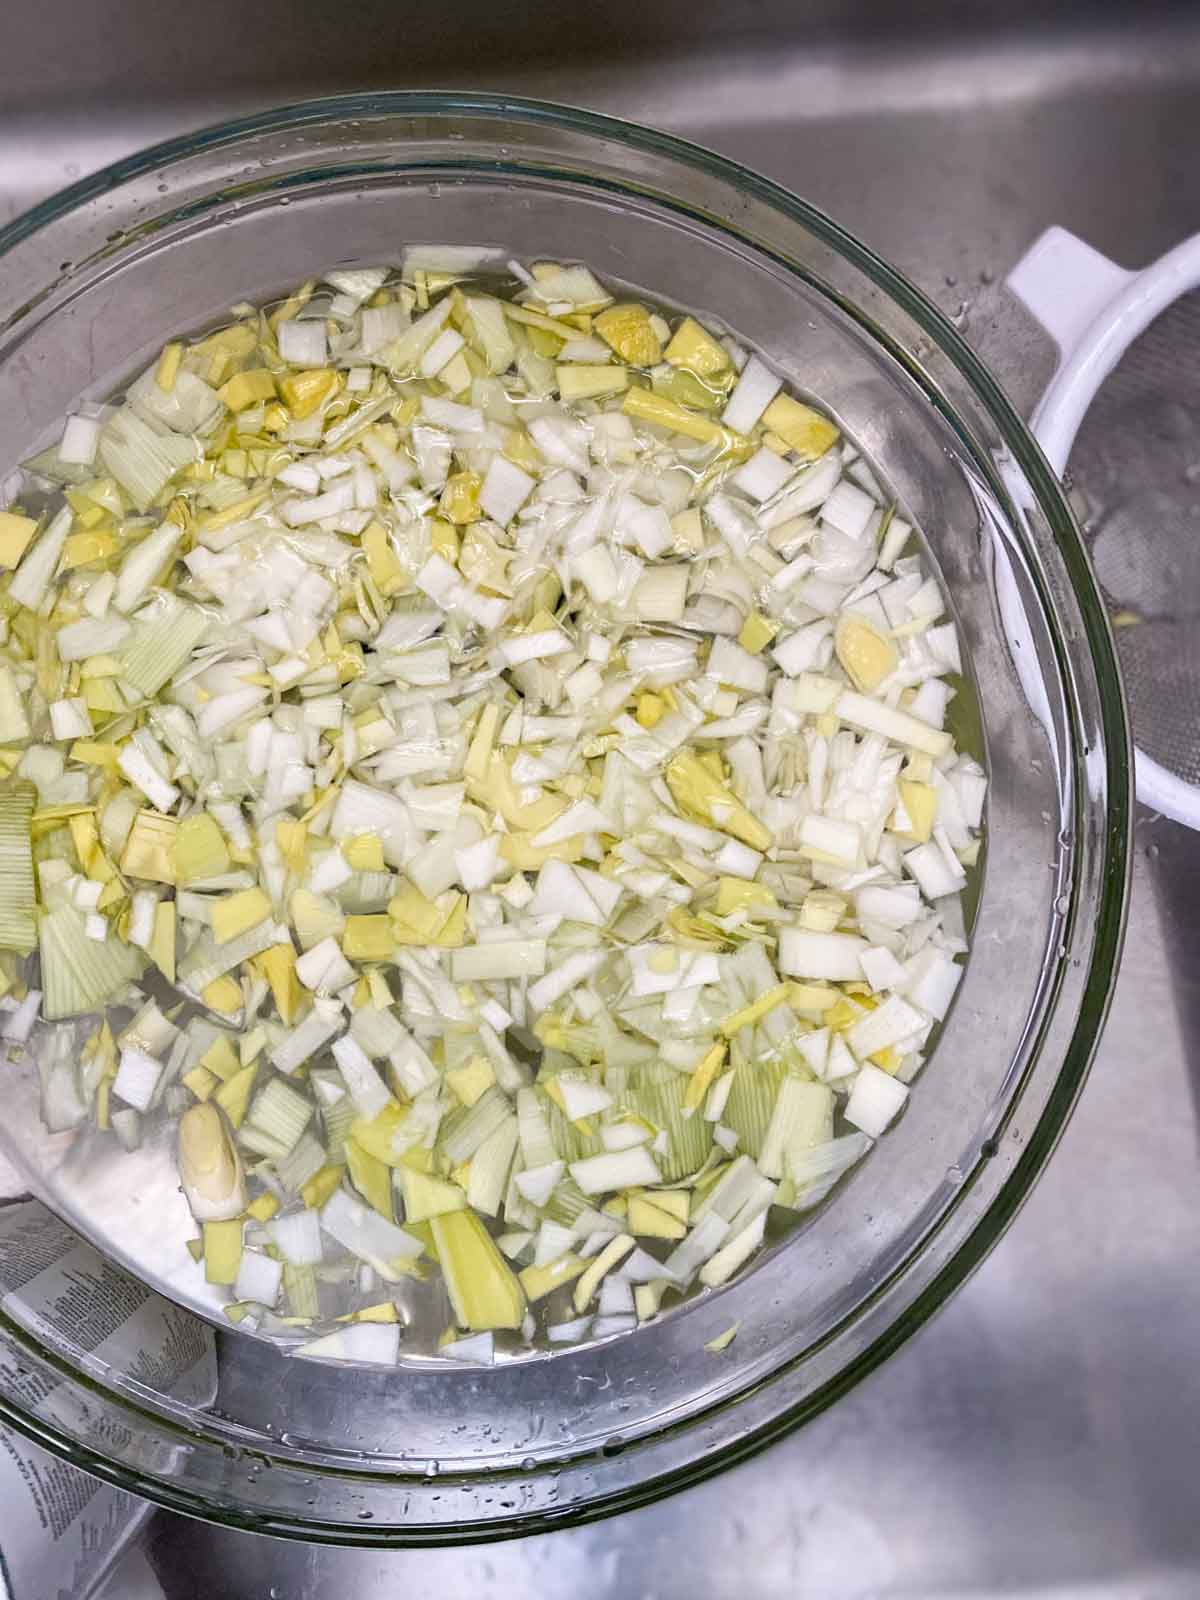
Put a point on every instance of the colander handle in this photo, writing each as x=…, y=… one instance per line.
x=1094, y=310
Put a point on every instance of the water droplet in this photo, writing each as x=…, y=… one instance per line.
x=528, y=1463
x=987, y=276
x=1062, y=905
x=612, y=1446
x=954, y=1175
x=951, y=280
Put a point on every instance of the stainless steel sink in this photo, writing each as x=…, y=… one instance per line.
x=1039, y=1437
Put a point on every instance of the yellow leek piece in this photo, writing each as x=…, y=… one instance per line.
x=371, y=1177
x=520, y=852
x=453, y=931
x=278, y=965
x=237, y=341
x=812, y=997
x=705, y=798
x=364, y=853
x=417, y=919
x=200, y=849
x=643, y=405
x=292, y=838
x=168, y=366
x=628, y=330
x=919, y=767
x=86, y=838
x=687, y=529
x=247, y=389
x=305, y=391
x=822, y=910
x=102, y=695
x=867, y=655
x=15, y=533
x=150, y=849
x=378, y=1135
x=427, y=1196
x=384, y=1311
x=920, y=802
x=539, y=1281
x=321, y=1185
x=263, y=1208
x=520, y=449
x=703, y=1074
x=221, y=1058
x=460, y=499
x=233, y=1096
x=648, y=1221
x=738, y=894
x=388, y=572
x=368, y=938
x=844, y=1014
x=222, y=1251
x=723, y=1340
x=469, y=1082
x=757, y=632
x=223, y=995
x=749, y=1015
x=479, y=754
x=693, y=347
x=381, y=995
x=806, y=431
x=647, y=1297
x=162, y=940
x=84, y=549
x=113, y=894
x=228, y=515
x=200, y=1081
x=539, y=320
x=676, y=1203
x=94, y=753
x=237, y=913
x=684, y=387
x=651, y=709
x=483, y=1288
x=497, y=792
x=294, y=304
x=103, y=1099
x=578, y=380
x=615, y=1250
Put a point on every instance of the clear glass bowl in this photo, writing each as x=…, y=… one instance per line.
x=94, y=280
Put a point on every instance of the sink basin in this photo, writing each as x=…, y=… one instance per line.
x=1037, y=1435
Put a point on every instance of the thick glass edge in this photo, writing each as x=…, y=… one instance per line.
x=1114, y=867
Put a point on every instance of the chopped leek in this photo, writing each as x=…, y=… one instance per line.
x=518, y=719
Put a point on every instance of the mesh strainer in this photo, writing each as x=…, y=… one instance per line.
x=1138, y=464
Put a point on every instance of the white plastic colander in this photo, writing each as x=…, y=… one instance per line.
x=1094, y=310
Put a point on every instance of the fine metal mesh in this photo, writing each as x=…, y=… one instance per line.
x=1136, y=474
